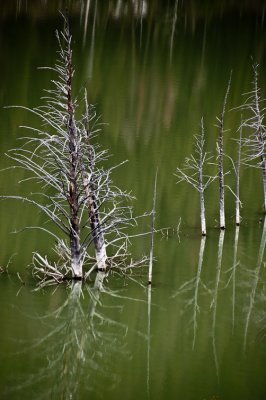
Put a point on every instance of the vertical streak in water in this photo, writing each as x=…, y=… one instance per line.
x=149, y=341
x=197, y=282
x=203, y=44
x=141, y=21
x=234, y=276
x=173, y=30
x=86, y=20
x=255, y=282
x=215, y=296
x=91, y=60
x=18, y=7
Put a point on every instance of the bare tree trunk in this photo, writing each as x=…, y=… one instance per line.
x=202, y=213
x=76, y=264
x=221, y=155
x=221, y=181
x=97, y=232
x=238, y=178
x=92, y=207
x=263, y=166
x=201, y=186
x=77, y=167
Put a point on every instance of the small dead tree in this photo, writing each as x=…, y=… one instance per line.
x=254, y=144
x=193, y=172
x=238, y=165
x=220, y=151
x=77, y=193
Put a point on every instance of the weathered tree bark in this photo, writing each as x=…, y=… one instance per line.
x=221, y=156
x=91, y=202
x=73, y=144
x=202, y=213
x=95, y=224
x=78, y=169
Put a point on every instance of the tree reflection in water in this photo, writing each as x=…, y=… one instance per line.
x=214, y=306
x=80, y=348
x=194, y=286
x=215, y=298
x=255, y=282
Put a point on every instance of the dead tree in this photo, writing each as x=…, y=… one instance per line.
x=254, y=144
x=193, y=172
x=238, y=179
x=236, y=168
x=220, y=151
x=76, y=190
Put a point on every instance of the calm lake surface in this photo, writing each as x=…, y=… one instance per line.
x=152, y=69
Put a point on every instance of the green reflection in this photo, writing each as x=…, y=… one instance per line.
x=80, y=347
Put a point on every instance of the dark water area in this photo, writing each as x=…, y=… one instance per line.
x=153, y=69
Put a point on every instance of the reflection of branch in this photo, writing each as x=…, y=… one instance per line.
x=197, y=282
x=215, y=295
x=79, y=347
x=234, y=274
x=255, y=282
x=193, y=286
x=149, y=341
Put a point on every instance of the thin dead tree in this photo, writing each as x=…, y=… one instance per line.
x=254, y=144
x=77, y=193
x=193, y=172
x=236, y=168
x=237, y=172
x=220, y=151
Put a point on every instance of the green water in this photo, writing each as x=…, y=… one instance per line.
x=200, y=332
